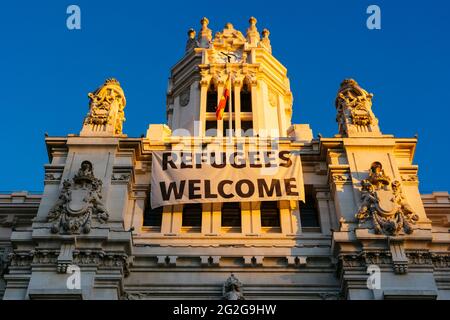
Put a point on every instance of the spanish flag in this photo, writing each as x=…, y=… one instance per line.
x=220, y=109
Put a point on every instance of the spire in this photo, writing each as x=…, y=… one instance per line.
x=105, y=116
x=205, y=35
x=265, y=41
x=354, y=110
x=252, y=32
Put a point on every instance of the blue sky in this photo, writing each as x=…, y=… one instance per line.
x=47, y=70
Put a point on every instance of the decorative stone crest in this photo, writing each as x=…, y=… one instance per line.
x=232, y=289
x=354, y=109
x=185, y=96
x=79, y=201
x=383, y=203
x=106, y=106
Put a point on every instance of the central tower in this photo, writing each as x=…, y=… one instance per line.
x=260, y=92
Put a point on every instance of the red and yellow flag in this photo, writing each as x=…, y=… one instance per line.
x=220, y=109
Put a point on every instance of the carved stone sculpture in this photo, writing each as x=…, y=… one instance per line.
x=384, y=204
x=354, y=109
x=191, y=42
x=265, y=41
x=232, y=289
x=79, y=201
x=106, y=107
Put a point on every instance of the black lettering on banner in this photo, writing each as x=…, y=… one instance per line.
x=254, y=159
x=166, y=161
x=269, y=160
x=186, y=160
x=274, y=186
x=199, y=159
x=241, y=158
x=193, y=188
x=289, y=186
x=251, y=188
x=208, y=194
x=214, y=163
x=166, y=193
x=283, y=156
x=222, y=191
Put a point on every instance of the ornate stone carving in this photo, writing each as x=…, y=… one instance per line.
x=273, y=98
x=265, y=41
x=185, y=96
x=232, y=289
x=384, y=204
x=191, y=42
x=79, y=201
x=106, y=108
x=205, y=34
x=252, y=32
x=354, y=109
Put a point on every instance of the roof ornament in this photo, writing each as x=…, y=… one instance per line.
x=205, y=35
x=191, y=42
x=265, y=41
x=252, y=32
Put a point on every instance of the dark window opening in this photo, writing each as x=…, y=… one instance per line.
x=211, y=128
x=192, y=215
x=231, y=214
x=246, y=99
x=270, y=214
x=211, y=100
x=247, y=127
x=153, y=217
x=309, y=214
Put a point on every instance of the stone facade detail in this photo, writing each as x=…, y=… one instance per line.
x=363, y=209
x=383, y=203
x=79, y=202
x=106, y=110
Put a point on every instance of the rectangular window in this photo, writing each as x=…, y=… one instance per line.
x=211, y=101
x=211, y=128
x=270, y=214
x=309, y=214
x=231, y=214
x=152, y=217
x=247, y=127
x=246, y=100
x=226, y=126
x=192, y=215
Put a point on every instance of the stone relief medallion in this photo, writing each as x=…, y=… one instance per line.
x=79, y=201
x=383, y=203
x=185, y=96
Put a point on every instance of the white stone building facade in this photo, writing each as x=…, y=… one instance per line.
x=363, y=216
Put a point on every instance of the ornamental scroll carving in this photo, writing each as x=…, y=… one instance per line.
x=79, y=201
x=232, y=289
x=106, y=106
x=383, y=202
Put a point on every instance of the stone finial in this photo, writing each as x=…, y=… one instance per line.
x=354, y=110
x=191, y=41
x=106, y=115
x=252, y=32
x=265, y=41
x=205, y=35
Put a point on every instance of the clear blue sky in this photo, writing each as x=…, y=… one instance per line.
x=47, y=70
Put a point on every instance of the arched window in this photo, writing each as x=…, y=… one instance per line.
x=246, y=99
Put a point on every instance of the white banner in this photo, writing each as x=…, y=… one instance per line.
x=201, y=177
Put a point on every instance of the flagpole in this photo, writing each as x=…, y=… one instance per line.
x=230, y=112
